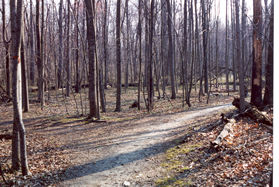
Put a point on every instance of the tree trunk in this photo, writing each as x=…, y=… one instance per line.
x=164, y=45
x=233, y=46
x=140, y=59
x=256, y=91
x=39, y=49
x=170, y=51
x=77, y=87
x=6, y=44
x=32, y=52
x=91, y=40
x=118, y=58
x=25, y=95
x=205, y=33
x=240, y=63
x=68, y=69
x=16, y=29
x=150, y=81
x=226, y=52
x=60, y=47
x=268, y=95
x=105, y=42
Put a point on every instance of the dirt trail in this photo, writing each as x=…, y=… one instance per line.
x=132, y=153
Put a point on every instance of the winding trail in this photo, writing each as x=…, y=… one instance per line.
x=131, y=154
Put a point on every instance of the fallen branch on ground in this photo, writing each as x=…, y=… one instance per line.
x=253, y=112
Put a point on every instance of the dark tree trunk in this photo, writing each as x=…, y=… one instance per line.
x=268, y=95
x=118, y=58
x=140, y=59
x=170, y=51
x=150, y=81
x=238, y=52
x=256, y=91
x=91, y=40
x=77, y=87
x=105, y=42
x=205, y=33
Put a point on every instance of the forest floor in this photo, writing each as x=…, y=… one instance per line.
x=136, y=148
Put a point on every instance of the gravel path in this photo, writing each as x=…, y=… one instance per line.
x=130, y=155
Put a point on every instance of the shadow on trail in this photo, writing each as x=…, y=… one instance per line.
x=118, y=160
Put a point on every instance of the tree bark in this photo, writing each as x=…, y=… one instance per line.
x=25, y=95
x=60, y=48
x=268, y=95
x=170, y=51
x=150, y=81
x=205, y=36
x=118, y=58
x=68, y=68
x=240, y=63
x=16, y=29
x=91, y=40
x=32, y=51
x=256, y=91
x=6, y=44
x=140, y=59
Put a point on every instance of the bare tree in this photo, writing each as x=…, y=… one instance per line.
x=205, y=38
x=39, y=59
x=150, y=81
x=226, y=52
x=32, y=51
x=268, y=95
x=25, y=95
x=118, y=58
x=18, y=126
x=256, y=91
x=240, y=63
x=91, y=40
x=67, y=58
x=170, y=51
x=140, y=59
x=6, y=45
x=60, y=48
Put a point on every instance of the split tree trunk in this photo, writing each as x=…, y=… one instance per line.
x=19, y=137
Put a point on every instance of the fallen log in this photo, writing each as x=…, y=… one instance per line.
x=252, y=112
x=224, y=133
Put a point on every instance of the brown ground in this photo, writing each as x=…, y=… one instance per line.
x=65, y=149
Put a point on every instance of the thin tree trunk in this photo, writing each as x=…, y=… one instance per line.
x=105, y=42
x=60, y=47
x=240, y=63
x=6, y=44
x=25, y=95
x=268, y=95
x=77, y=87
x=170, y=51
x=226, y=52
x=150, y=82
x=68, y=69
x=205, y=35
x=140, y=59
x=233, y=46
x=118, y=58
